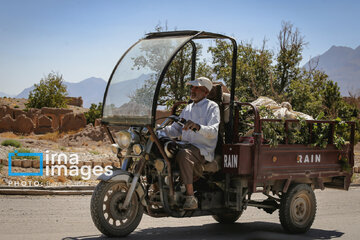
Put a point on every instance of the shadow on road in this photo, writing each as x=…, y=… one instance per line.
x=246, y=231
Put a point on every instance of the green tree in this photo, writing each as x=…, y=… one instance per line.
x=307, y=91
x=253, y=69
x=173, y=88
x=50, y=92
x=222, y=60
x=174, y=84
x=332, y=98
x=287, y=69
x=144, y=95
x=93, y=113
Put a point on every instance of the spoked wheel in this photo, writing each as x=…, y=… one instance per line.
x=298, y=209
x=107, y=212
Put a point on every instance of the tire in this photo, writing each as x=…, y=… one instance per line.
x=106, y=214
x=298, y=209
x=227, y=218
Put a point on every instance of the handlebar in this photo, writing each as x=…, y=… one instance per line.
x=173, y=118
x=181, y=121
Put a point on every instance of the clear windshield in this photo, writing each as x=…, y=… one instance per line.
x=132, y=88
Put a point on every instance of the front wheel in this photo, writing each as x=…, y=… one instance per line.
x=227, y=218
x=298, y=209
x=106, y=211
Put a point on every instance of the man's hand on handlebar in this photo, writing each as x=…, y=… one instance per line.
x=191, y=125
x=186, y=125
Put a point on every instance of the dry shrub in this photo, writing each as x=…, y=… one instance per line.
x=75, y=178
x=51, y=180
x=40, y=179
x=72, y=132
x=54, y=136
x=9, y=135
x=61, y=179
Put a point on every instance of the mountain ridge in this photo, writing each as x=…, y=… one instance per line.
x=2, y=94
x=90, y=89
x=342, y=65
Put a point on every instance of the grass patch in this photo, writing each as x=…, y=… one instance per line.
x=1, y=167
x=11, y=142
x=25, y=150
x=75, y=178
x=94, y=152
x=355, y=178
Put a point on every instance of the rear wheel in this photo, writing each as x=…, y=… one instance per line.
x=106, y=211
x=227, y=218
x=298, y=209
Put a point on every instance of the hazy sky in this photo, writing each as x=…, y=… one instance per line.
x=83, y=38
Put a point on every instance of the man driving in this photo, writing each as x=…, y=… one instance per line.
x=200, y=132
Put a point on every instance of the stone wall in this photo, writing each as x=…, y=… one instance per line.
x=46, y=120
x=74, y=101
x=40, y=121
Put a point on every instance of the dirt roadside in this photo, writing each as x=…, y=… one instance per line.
x=89, y=145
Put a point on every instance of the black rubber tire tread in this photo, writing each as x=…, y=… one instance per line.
x=96, y=206
x=227, y=218
x=284, y=211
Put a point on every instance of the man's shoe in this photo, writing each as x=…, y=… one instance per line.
x=191, y=203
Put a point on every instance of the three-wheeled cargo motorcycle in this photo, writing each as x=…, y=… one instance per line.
x=148, y=180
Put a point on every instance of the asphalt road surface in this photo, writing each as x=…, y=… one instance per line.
x=68, y=218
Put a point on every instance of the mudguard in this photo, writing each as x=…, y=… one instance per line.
x=120, y=175
x=117, y=175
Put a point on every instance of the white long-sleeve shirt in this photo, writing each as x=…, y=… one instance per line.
x=206, y=113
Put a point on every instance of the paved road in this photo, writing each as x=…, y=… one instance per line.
x=68, y=218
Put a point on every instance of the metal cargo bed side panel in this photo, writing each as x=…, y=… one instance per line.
x=238, y=158
x=297, y=158
x=301, y=161
x=287, y=162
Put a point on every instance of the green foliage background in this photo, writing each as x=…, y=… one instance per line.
x=93, y=113
x=262, y=72
x=50, y=92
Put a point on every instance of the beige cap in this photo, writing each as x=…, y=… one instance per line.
x=201, y=82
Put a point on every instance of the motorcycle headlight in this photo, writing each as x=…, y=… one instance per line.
x=114, y=148
x=123, y=139
x=137, y=149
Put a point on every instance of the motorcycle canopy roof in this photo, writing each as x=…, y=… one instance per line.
x=131, y=94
